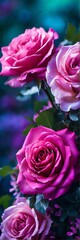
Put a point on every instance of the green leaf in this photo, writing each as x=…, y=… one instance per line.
x=38, y=202
x=73, y=117
x=7, y=170
x=49, y=118
x=38, y=105
x=46, y=118
x=32, y=200
x=30, y=119
x=30, y=91
x=72, y=34
x=41, y=204
x=26, y=130
x=4, y=200
x=76, y=37
x=39, y=207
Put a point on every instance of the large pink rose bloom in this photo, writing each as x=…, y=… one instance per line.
x=63, y=77
x=22, y=222
x=27, y=56
x=47, y=162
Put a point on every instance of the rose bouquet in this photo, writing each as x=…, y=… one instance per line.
x=45, y=181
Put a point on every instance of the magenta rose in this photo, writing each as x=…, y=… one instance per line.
x=63, y=77
x=22, y=222
x=27, y=56
x=47, y=162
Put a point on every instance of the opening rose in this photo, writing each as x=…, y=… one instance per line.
x=63, y=77
x=22, y=222
x=47, y=162
x=27, y=56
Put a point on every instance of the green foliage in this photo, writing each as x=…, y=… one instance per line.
x=32, y=200
x=49, y=118
x=41, y=204
x=38, y=202
x=71, y=34
x=46, y=118
x=69, y=206
x=26, y=130
x=7, y=170
x=5, y=200
x=72, y=121
x=73, y=117
x=38, y=105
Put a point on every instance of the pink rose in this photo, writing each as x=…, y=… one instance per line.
x=47, y=162
x=22, y=222
x=27, y=56
x=63, y=77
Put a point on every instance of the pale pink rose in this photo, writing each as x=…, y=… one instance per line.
x=27, y=56
x=47, y=162
x=21, y=222
x=63, y=77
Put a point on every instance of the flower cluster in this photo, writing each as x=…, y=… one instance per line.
x=48, y=161
x=27, y=58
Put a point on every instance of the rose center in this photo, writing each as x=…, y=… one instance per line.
x=42, y=155
x=19, y=224
x=75, y=62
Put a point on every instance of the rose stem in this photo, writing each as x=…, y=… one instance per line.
x=45, y=88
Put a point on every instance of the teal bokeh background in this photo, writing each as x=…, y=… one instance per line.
x=17, y=15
